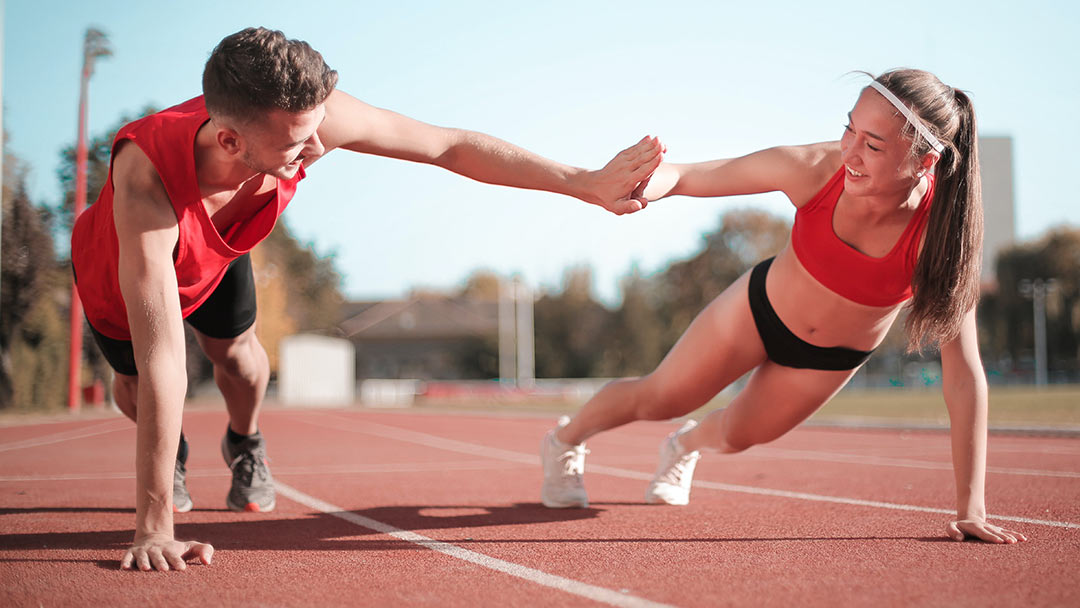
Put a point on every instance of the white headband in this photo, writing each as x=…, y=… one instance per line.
x=914, y=120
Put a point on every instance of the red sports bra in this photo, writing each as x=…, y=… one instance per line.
x=884, y=281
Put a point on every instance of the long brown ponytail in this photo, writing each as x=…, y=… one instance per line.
x=946, y=280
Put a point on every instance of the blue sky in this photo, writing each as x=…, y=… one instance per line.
x=574, y=81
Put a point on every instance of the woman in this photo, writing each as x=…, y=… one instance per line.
x=890, y=213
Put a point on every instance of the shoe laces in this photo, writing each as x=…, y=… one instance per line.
x=572, y=461
x=682, y=465
x=249, y=463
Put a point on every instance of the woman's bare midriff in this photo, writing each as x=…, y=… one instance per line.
x=819, y=316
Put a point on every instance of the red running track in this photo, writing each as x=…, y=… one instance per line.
x=380, y=508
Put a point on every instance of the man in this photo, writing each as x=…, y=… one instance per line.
x=191, y=190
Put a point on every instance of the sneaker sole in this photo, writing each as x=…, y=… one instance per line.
x=655, y=499
x=251, y=507
x=551, y=504
x=183, y=508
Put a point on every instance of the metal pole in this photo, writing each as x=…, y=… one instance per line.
x=526, y=367
x=94, y=45
x=507, y=360
x=75, y=358
x=1039, y=297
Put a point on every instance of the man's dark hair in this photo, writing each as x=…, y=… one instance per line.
x=256, y=69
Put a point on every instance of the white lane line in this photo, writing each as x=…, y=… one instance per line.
x=585, y=590
x=1054, y=450
x=422, y=467
x=434, y=441
x=786, y=454
x=860, y=459
x=111, y=426
x=728, y=487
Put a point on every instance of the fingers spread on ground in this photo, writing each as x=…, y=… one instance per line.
x=158, y=560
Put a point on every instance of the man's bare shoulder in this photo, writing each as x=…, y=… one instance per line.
x=347, y=119
x=140, y=201
x=133, y=171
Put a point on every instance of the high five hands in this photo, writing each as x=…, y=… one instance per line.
x=619, y=186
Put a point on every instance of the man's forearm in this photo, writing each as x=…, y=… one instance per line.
x=494, y=161
x=160, y=411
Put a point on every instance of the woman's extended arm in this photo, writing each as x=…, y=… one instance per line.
x=797, y=171
x=964, y=386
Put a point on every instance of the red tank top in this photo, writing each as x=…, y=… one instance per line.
x=884, y=281
x=202, y=253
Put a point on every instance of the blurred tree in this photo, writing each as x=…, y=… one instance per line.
x=1006, y=318
x=744, y=237
x=569, y=328
x=313, y=285
x=634, y=340
x=271, y=297
x=98, y=154
x=578, y=337
x=33, y=343
x=481, y=285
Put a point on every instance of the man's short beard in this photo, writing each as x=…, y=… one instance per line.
x=276, y=171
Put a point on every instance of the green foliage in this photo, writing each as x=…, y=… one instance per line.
x=313, y=284
x=33, y=341
x=578, y=337
x=39, y=355
x=1006, y=316
x=98, y=154
x=570, y=328
x=745, y=237
x=634, y=342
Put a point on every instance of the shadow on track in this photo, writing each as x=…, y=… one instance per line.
x=25, y=510
x=313, y=532
x=325, y=532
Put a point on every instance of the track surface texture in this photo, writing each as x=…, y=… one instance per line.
x=413, y=508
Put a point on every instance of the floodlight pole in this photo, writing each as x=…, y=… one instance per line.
x=1036, y=291
x=526, y=353
x=94, y=45
x=507, y=333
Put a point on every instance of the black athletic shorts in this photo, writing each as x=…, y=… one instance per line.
x=227, y=313
x=783, y=346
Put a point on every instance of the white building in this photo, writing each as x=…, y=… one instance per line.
x=999, y=207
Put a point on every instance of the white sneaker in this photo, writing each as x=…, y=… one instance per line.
x=564, y=466
x=671, y=484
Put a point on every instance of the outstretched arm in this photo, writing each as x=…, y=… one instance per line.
x=797, y=171
x=357, y=126
x=964, y=385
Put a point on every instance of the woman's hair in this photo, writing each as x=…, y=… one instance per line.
x=946, y=280
x=256, y=69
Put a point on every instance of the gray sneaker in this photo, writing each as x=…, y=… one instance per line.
x=252, y=485
x=181, y=500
